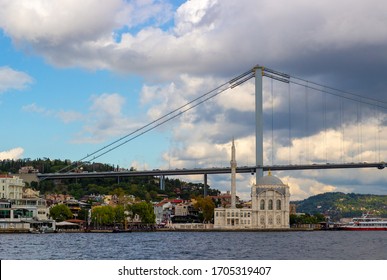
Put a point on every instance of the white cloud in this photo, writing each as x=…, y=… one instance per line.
x=69, y=116
x=45, y=23
x=203, y=40
x=106, y=119
x=137, y=165
x=193, y=15
x=13, y=79
x=302, y=188
x=14, y=153
x=139, y=12
x=33, y=108
x=64, y=116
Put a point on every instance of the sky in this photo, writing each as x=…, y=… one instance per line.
x=78, y=75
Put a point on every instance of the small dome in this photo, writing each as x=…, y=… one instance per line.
x=269, y=180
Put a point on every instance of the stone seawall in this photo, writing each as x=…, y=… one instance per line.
x=14, y=230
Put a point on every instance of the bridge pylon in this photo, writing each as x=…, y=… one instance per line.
x=258, y=122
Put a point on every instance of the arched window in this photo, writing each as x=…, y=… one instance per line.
x=262, y=204
x=270, y=205
x=278, y=204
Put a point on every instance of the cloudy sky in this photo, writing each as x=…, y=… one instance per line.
x=78, y=75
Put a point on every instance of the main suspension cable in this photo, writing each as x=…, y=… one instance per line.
x=165, y=118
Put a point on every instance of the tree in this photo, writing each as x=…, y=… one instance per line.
x=60, y=212
x=206, y=206
x=306, y=219
x=119, y=214
x=108, y=215
x=120, y=195
x=144, y=210
x=103, y=215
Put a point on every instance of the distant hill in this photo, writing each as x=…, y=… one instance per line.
x=340, y=205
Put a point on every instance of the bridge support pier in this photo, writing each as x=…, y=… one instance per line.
x=162, y=182
x=205, y=185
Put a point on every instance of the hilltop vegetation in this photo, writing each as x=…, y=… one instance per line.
x=340, y=205
x=144, y=188
x=46, y=165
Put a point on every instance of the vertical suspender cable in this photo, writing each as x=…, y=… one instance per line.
x=361, y=135
x=290, y=125
x=379, y=129
x=306, y=124
x=272, y=123
x=325, y=126
x=342, y=129
x=358, y=128
x=376, y=132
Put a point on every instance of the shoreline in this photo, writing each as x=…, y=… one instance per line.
x=21, y=231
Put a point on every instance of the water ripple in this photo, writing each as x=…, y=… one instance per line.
x=314, y=245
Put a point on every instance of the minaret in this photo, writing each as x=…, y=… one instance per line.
x=233, y=164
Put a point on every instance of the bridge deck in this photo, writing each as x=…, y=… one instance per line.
x=202, y=171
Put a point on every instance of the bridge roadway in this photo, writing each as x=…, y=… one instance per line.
x=206, y=171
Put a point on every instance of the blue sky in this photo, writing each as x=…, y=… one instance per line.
x=75, y=76
x=37, y=110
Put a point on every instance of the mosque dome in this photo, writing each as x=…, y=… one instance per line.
x=269, y=180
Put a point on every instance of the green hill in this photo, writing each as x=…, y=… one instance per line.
x=145, y=188
x=340, y=205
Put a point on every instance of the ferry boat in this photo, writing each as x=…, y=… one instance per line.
x=365, y=222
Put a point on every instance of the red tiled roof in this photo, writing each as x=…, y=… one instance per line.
x=77, y=221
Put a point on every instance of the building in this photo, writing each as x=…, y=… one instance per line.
x=269, y=204
x=163, y=211
x=28, y=170
x=18, y=212
x=181, y=209
x=11, y=187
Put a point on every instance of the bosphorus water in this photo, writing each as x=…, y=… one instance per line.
x=298, y=245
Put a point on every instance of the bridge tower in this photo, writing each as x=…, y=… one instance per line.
x=258, y=123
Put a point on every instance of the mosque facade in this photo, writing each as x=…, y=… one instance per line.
x=270, y=199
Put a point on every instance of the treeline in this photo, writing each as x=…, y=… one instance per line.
x=340, y=205
x=306, y=219
x=46, y=165
x=145, y=188
x=107, y=215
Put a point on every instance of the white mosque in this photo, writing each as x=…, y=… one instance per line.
x=269, y=204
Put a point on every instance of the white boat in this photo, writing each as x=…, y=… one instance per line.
x=365, y=222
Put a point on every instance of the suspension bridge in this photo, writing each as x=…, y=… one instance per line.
x=373, y=110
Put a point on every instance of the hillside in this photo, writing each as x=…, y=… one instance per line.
x=340, y=205
x=145, y=188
